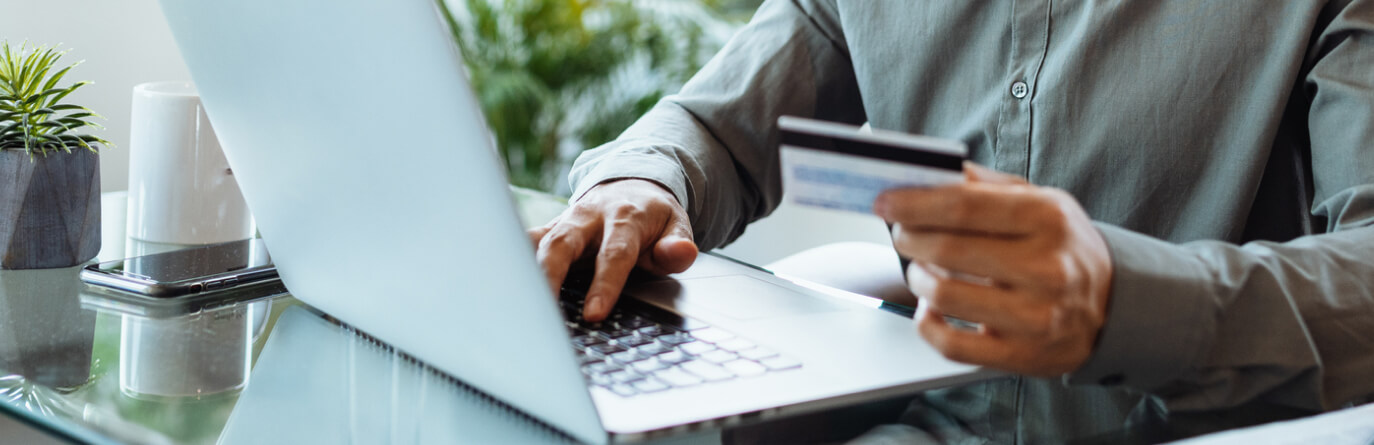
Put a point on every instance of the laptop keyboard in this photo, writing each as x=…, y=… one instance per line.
x=641, y=349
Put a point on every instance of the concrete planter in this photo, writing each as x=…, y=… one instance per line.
x=49, y=209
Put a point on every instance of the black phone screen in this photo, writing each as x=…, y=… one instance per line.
x=193, y=263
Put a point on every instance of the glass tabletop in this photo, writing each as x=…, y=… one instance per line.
x=270, y=369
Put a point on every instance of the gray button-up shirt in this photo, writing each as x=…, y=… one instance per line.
x=1225, y=147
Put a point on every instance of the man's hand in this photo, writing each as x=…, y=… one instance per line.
x=1023, y=261
x=621, y=224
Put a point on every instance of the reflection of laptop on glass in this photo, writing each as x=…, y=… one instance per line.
x=360, y=148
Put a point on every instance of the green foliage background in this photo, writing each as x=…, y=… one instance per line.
x=555, y=77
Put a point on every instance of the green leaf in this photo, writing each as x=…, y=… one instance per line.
x=85, y=141
x=47, y=143
x=35, y=98
x=68, y=90
x=66, y=107
x=76, y=115
x=56, y=77
x=26, y=83
x=65, y=124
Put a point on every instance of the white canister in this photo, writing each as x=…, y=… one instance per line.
x=181, y=189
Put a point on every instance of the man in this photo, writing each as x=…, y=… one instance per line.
x=1195, y=252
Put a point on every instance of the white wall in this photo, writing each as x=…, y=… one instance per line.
x=793, y=228
x=123, y=43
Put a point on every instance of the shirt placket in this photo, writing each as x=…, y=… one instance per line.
x=1029, y=40
x=1030, y=23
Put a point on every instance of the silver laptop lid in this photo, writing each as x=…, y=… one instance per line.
x=360, y=149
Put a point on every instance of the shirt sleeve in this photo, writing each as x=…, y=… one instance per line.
x=1210, y=325
x=714, y=144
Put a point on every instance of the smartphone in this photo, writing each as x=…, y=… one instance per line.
x=212, y=268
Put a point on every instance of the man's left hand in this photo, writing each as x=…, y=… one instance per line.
x=1024, y=262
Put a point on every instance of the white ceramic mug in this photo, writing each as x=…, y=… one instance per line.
x=181, y=190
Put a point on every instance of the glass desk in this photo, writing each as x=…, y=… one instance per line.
x=101, y=376
x=274, y=370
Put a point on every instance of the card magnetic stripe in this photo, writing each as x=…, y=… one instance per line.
x=905, y=155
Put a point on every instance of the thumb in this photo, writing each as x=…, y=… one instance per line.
x=977, y=173
x=674, y=252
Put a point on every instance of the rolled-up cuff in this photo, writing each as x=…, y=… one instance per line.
x=631, y=165
x=1159, y=316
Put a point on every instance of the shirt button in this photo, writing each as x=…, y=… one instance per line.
x=1019, y=90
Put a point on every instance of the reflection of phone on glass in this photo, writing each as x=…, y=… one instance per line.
x=189, y=271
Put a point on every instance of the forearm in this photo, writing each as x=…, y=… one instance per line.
x=714, y=144
x=1210, y=325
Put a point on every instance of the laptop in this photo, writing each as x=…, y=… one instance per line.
x=359, y=146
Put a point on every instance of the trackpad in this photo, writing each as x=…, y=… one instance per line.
x=737, y=296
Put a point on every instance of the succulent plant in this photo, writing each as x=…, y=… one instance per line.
x=33, y=117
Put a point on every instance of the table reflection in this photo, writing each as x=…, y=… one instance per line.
x=201, y=355
x=45, y=336
x=318, y=382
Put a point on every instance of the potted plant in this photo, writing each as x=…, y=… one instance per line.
x=49, y=174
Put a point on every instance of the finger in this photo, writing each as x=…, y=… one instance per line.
x=536, y=234
x=1012, y=210
x=674, y=252
x=620, y=250
x=1002, y=259
x=557, y=250
x=961, y=345
x=977, y=173
x=997, y=309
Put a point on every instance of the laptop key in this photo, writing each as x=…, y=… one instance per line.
x=649, y=385
x=654, y=331
x=601, y=379
x=676, y=338
x=606, y=348
x=626, y=376
x=712, y=335
x=626, y=357
x=707, y=371
x=650, y=365
x=633, y=340
x=599, y=368
x=677, y=377
x=632, y=322
x=673, y=357
x=652, y=349
x=623, y=390
x=718, y=356
x=583, y=341
x=758, y=353
x=735, y=345
x=780, y=363
x=745, y=368
x=697, y=348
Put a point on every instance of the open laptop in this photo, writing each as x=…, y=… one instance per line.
x=361, y=150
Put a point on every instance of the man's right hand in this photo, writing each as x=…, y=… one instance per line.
x=621, y=224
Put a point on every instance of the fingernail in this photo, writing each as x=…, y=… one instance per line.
x=593, y=305
x=918, y=280
x=880, y=205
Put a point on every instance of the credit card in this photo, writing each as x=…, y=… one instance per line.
x=841, y=167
